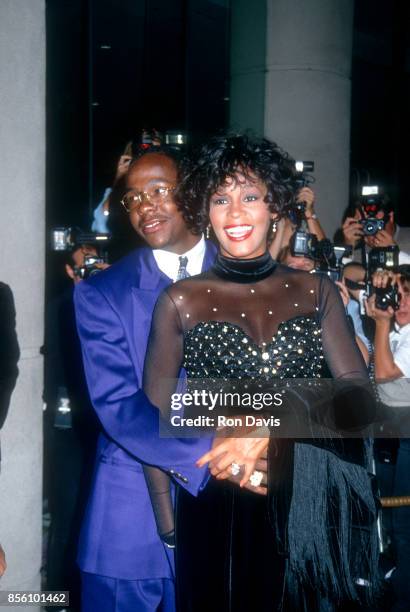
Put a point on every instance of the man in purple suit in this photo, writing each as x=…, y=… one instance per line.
x=125, y=566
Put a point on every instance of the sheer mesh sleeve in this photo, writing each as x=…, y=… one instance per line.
x=162, y=365
x=353, y=405
x=342, y=354
x=164, y=355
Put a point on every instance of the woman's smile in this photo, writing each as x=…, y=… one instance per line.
x=238, y=232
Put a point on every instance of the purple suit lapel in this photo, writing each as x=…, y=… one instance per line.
x=210, y=255
x=150, y=282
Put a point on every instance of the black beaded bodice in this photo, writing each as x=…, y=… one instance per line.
x=221, y=350
x=284, y=325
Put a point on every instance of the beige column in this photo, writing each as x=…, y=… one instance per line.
x=22, y=188
x=307, y=102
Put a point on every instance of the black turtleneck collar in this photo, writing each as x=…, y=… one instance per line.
x=244, y=270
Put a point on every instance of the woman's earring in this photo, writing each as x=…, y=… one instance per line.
x=208, y=232
x=274, y=228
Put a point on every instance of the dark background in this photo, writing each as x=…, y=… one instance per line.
x=115, y=65
x=381, y=98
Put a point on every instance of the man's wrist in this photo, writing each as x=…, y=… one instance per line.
x=312, y=215
x=383, y=323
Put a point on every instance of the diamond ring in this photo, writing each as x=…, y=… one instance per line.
x=256, y=478
x=235, y=468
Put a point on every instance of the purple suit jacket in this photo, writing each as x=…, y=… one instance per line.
x=114, y=309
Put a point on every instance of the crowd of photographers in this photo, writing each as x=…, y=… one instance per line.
x=370, y=262
x=371, y=267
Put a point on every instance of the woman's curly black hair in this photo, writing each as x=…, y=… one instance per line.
x=221, y=158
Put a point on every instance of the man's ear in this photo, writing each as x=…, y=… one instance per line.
x=69, y=271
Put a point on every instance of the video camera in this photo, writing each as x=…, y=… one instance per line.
x=327, y=256
x=65, y=239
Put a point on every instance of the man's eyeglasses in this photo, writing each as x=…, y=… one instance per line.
x=133, y=199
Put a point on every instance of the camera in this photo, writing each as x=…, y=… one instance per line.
x=90, y=266
x=328, y=256
x=65, y=239
x=329, y=259
x=385, y=297
x=383, y=257
x=371, y=226
x=302, y=168
x=296, y=212
x=386, y=258
x=303, y=244
x=371, y=204
x=68, y=238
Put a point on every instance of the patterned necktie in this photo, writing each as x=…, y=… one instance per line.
x=182, y=271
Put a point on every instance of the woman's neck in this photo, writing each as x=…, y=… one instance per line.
x=244, y=270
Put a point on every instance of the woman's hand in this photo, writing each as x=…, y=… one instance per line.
x=244, y=451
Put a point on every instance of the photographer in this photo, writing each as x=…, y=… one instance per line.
x=392, y=370
x=101, y=215
x=391, y=348
x=355, y=233
x=285, y=227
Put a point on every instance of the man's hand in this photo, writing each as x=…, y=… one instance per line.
x=102, y=266
x=122, y=167
x=307, y=196
x=382, y=278
x=352, y=230
x=380, y=316
x=343, y=292
x=381, y=239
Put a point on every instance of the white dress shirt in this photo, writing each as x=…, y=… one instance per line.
x=169, y=263
x=397, y=392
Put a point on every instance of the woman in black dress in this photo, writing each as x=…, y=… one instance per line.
x=311, y=543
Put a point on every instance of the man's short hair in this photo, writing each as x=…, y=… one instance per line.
x=404, y=271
